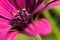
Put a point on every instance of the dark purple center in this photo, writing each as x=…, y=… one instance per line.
x=21, y=20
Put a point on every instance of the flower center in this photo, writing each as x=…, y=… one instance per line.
x=21, y=20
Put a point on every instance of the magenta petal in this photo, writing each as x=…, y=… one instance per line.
x=5, y=13
x=12, y=36
x=39, y=8
x=14, y=3
x=4, y=21
x=30, y=4
x=8, y=6
x=21, y=4
x=4, y=28
x=31, y=30
x=44, y=27
x=52, y=5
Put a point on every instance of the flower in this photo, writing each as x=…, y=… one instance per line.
x=16, y=14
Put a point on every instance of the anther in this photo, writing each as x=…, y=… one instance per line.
x=14, y=14
x=18, y=11
x=24, y=9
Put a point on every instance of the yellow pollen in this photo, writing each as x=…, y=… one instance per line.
x=24, y=9
x=14, y=14
x=18, y=10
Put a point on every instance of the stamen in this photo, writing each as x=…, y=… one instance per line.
x=14, y=14
x=24, y=12
x=18, y=11
x=21, y=20
x=24, y=9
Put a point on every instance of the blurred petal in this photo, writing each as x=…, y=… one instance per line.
x=44, y=27
x=39, y=8
x=21, y=4
x=52, y=5
x=8, y=6
x=5, y=13
x=4, y=21
x=44, y=8
x=4, y=28
x=12, y=36
x=30, y=4
x=14, y=3
x=31, y=30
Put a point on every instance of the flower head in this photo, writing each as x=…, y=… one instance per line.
x=16, y=14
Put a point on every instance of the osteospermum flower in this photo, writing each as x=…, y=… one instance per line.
x=16, y=14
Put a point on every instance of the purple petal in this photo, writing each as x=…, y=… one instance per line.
x=4, y=21
x=12, y=36
x=4, y=28
x=7, y=5
x=52, y=5
x=21, y=4
x=30, y=4
x=39, y=8
x=14, y=3
x=31, y=30
x=5, y=13
x=44, y=27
